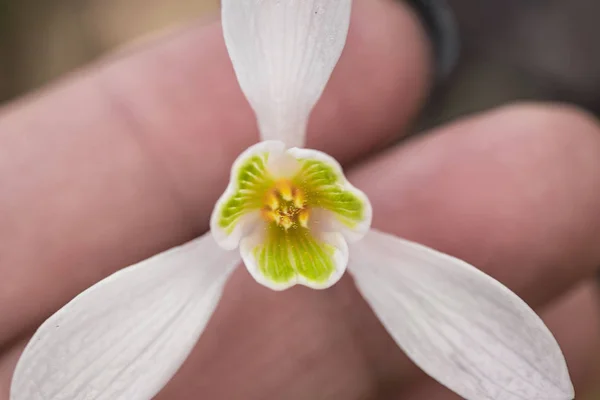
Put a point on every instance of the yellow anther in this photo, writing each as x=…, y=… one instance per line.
x=286, y=222
x=299, y=199
x=271, y=216
x=284, y=187
x=303, y=218
x=285, y=205
x=271, y=200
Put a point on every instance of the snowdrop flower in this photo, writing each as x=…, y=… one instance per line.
x=296, y=220
x=291, y=212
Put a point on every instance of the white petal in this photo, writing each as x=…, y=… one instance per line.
x=333, y=220
x=125, y=337
x=288, y=262
x=283, y=53
x=228, y=238
x=282, y=166
x=461, y=326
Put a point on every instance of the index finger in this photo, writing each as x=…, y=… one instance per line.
x=127, y=158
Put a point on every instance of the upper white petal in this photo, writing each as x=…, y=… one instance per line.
x=283, y=53
x=461, y=326
x=125, y=337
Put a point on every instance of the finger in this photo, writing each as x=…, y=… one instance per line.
x=8, y=362
x=511, y=191
x=540, y=243
x=575, y=321
x=127, y=159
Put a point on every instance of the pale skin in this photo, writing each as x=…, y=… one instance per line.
x=127, y=158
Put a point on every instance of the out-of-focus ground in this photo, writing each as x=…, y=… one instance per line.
x=511, y=49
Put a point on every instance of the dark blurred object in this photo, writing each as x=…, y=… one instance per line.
x=5, y=43
x=551, y=44
x=41, y=40
x=438, y=19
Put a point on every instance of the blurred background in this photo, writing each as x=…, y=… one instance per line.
x=511, y=49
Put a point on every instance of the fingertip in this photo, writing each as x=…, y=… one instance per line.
x=574, y=319
x=513, y=191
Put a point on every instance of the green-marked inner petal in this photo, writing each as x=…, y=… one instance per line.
x=286, y=253
x=252, y=181
x=326, y=189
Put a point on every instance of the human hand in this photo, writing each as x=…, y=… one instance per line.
x=127, y=159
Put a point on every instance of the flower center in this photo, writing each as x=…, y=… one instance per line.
x=285, y=205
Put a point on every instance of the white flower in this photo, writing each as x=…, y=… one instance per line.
x=297, y=220
x=291, y=211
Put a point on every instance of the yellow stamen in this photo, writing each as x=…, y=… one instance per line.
x=271, y=200
x=271, y=216
x=285, y=205
x=286, y=222
x=284, y=187
x=303, y=218
x=299, y=199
